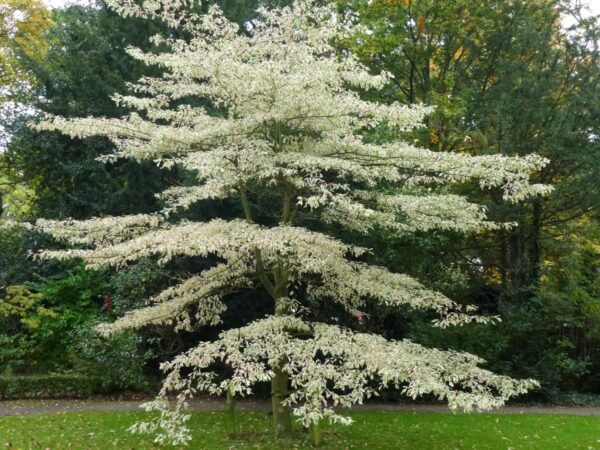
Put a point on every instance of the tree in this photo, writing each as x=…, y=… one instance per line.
x=543, y=99
x=21, y=315
x=507, y=78
x=85, y=61
x=22, y=25
x=281, y=126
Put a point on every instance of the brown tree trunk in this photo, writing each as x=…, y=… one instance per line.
x=535, y=253
x=282, y=414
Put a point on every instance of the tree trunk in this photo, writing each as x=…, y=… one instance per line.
x=535, y=253
x=315, y=431
x=503, y=260
x=232, y=420
x=282, y=414
x=519, y=266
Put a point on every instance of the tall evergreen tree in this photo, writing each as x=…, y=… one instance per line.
x=85, y=63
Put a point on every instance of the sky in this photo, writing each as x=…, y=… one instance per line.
x=59, y=3
x=593, y=4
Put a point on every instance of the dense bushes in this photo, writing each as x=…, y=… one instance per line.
x=116, y=363
x=46, y=327
x=93, y=365
x=44, y=386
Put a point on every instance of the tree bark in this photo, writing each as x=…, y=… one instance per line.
x=231, y=418
x=282, y=414
x=535, y=254
x=277, y=287
x=317, y=437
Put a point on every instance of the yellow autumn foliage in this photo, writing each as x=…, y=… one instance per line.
x=22, y=26
x=397, y=2
x=24, y=304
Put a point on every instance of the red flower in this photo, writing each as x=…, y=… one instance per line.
x=106, y=305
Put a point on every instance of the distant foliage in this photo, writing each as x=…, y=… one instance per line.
x=115, y=364
x=22, y=27
x=45, y=386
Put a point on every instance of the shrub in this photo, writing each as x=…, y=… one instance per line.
x=115, y=363
x=44, y=386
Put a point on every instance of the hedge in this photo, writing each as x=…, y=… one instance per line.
x=45, y=386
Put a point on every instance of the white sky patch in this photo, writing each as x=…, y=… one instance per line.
x=594, y=5
x=61, y=3
x=593, y=8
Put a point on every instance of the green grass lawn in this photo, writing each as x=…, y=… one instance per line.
x=372, y=430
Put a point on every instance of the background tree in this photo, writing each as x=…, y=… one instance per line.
x=85, y=62
x=22, y=25
x=507, y=78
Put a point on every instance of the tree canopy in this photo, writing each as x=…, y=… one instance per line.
x=281, y=117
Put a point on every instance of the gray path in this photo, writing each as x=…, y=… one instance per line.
x=29, y=407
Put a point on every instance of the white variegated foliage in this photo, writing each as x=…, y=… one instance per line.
x=281, y=115
x=330, y=368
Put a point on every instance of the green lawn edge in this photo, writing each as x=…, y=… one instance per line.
x=371, y=430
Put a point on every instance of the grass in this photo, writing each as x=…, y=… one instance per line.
x=372, y=430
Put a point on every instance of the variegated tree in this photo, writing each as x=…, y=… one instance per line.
x=282, y=116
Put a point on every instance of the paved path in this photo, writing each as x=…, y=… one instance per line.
x=29, y=407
